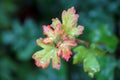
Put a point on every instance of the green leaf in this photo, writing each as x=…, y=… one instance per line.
x=94, y=48
x=91, y=65
x=87, y=56
x=81, y=54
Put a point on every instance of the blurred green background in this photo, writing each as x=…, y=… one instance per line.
x=21, y=24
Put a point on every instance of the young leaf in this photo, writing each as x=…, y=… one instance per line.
x=52, y=32
x=69, y=23
x=55, y=22
x=64, y=48
x=43, y=57
x=59, y=40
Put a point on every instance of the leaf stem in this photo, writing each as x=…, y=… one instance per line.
x=82, y=42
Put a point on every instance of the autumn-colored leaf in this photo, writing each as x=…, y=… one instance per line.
x=51, y=33
x=43, y=57
x=69, y=23
x=64, y=48
x=60, y=38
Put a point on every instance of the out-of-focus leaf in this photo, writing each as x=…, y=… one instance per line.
x=6, y=66
x=22, y=38
x=88, y=57
x=26, y=53
x=118, y=63
x=7, y=37
x=117, y=71
x=108, y=64
x=6, y=8
x=103, y=35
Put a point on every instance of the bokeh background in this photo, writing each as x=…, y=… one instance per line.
x=21, y=24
